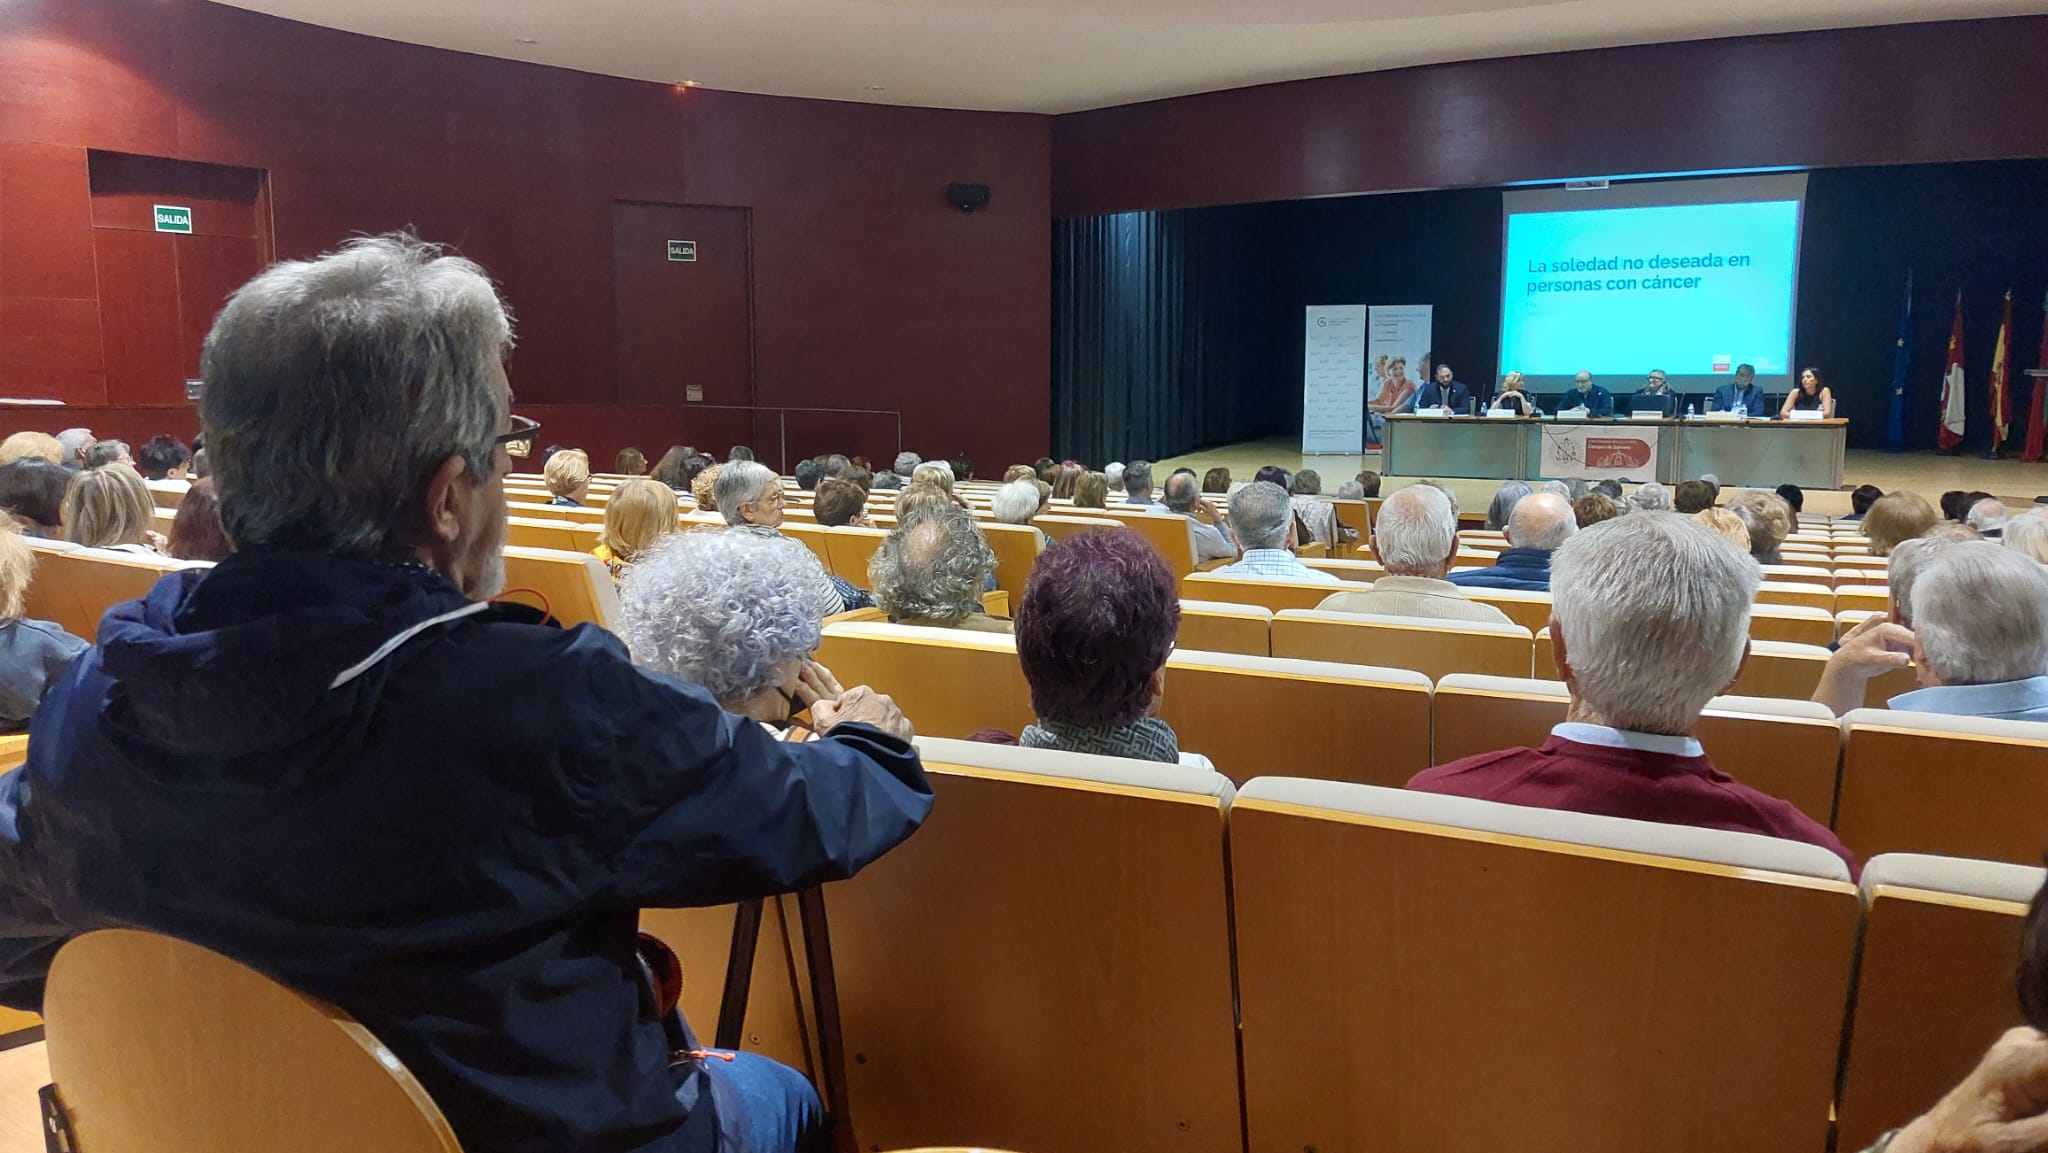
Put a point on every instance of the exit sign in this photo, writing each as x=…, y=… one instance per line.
x=677, y=249
x=172, y=218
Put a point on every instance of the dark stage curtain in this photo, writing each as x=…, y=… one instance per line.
x=1168, y=334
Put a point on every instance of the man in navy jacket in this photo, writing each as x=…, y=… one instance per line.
x=335, y=760
x=1446, y=391
x=1541, y=522
x=1596, y=400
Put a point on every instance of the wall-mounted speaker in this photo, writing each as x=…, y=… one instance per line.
x=967, y=197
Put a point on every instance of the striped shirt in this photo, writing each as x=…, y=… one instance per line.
x=1276, y=562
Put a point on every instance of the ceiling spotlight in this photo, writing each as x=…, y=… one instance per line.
x=682, y=84
x=524, y=40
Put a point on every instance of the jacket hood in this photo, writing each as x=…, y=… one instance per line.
x=241, y=661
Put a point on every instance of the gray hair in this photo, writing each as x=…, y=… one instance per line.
x=1415, y=531
x=1181, y=493
x=1558, y=488
x=1542, y=520
x=1015, y=502
x=1115, y=472
x=1908, y=557
x=906, y=463
x=721, y=609
x=336, y=386
x=740, y=482
x=1503, y=505
x=1654, y=612
x=1138, y=476
x=1260, y=514
x=931, y=565
x=2027, y=534
x=1986, y=515
x=1351, y=490
x=1651, y=496
x=74, y=441
x=101, y=452
x=1980, y=613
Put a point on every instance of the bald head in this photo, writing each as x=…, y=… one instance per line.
x=1541, y=520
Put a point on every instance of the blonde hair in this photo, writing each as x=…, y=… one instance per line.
x=640, y=512
x=919, y=496
x=106, y=506
x=1511, y=378
x=1726, y=523
x=700, y=487
x=567, y=471
x=1897, y=517
x=36, y=444
x=934, y=473
x=17, y=566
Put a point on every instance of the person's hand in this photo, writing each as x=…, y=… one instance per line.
x=862, y=705
x=815, y=682
x=157, y=540
x=2001, y=1107
x=1875, y=646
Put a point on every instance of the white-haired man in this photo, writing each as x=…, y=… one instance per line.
x=1262, y=515
x=1988, y=517
x=1651, y=620
x=1975, y=629
x=1184, y=497
x=75, y=441
x=1114, y=471
x=1539, y=525
x=1415, y=537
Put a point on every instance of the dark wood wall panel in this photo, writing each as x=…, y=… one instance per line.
x=870, y=289
x=140, y=333
x=1964, y=90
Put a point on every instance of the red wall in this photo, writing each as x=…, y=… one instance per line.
x=1966, y=90
x=869, y=291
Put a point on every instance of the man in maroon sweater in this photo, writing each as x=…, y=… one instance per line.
x=1650, y=620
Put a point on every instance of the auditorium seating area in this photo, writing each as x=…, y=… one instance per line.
x=1289, y=949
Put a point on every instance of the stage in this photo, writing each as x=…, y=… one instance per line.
x=1926, y=473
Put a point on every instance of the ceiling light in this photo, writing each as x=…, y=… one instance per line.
x=877, y=88
x=524, y=40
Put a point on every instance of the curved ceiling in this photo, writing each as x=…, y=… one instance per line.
x=1061, y=55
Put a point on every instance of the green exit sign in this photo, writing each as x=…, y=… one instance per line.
x=172, y=218
x=677, y=249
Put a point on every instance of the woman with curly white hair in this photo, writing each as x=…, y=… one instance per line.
x=735, y=614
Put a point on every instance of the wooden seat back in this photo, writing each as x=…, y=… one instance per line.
x=1934, y=986
x=1387, y=965
x=1952, y=786
x=1223, y=627
x=814, y=537
x=1789, y=749
x=1016, y=548
x=1796, y=623
x=1264, y=591
x=848, y=551
x=1435, y=649
x=1801, y=593
x=74, y=587
x=162, y=1045
x=1047, y=895
x=1531, y=610
x=1874, y=597
x=576, y=586
x=533, y=532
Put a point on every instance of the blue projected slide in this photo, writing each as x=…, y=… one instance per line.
x=1693, y=289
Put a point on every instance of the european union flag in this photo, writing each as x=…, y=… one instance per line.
x=1902, y=359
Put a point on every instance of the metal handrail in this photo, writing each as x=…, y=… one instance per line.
x=782, y=422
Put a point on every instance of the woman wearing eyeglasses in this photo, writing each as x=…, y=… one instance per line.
x=733, y=613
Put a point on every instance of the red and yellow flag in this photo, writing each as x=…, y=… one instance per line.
x=2001, y=396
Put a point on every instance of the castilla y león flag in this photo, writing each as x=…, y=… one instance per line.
x=1951, y=433
x=2037, y=431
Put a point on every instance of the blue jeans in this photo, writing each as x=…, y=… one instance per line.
x=763, y=1106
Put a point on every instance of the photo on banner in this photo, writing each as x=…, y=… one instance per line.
x=1333, y=379
x=1397, y=354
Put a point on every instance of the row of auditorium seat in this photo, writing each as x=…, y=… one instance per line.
x=1069, y=957
x=1886, y=781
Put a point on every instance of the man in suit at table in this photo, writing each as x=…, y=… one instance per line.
x=1744, y=392
x=1585, y=394
x=1446, y=391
